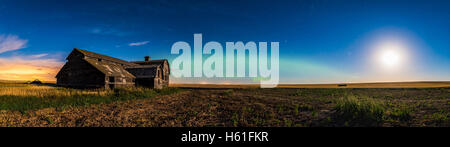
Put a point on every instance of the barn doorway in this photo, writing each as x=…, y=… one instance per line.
x=111, y=82
x=145, y=82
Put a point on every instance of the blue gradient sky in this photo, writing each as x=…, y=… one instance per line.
x=321, y=41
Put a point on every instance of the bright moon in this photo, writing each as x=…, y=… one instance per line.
x=390, y=55
x=390, y=58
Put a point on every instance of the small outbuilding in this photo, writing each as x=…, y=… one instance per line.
x=36, y=81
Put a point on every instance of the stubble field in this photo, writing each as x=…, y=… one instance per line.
x=32, y=105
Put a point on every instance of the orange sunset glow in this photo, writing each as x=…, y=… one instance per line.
x=26, y=70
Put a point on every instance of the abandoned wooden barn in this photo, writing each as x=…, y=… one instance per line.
x=85, y=69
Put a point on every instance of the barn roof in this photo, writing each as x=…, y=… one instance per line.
x=110, y=69
x=104, y=57
x=143, y=71
x=111, y=66
x=151, y=62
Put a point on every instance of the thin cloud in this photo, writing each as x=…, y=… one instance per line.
x=38, y=55
x=138, y=43
x=11, y=43
x=109, y=31
x=29, y=67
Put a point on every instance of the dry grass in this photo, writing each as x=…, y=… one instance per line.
x=25, y=97
x=29, y=90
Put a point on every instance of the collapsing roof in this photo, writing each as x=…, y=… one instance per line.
x=110, y=69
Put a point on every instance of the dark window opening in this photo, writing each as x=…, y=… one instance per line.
x=111, y=79
x=164, y=76
x=111, y=86
x=99, y=59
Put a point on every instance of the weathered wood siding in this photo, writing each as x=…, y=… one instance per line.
x=80, y=74
x=162, y=76
x=166, y=75
x=118, y=82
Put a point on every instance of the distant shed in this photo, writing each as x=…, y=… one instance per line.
x=342, y=85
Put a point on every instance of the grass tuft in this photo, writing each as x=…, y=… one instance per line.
x=403, y=113
x=361, y=110
x=441, y=118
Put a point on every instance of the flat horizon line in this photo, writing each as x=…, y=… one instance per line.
x=381, y=82
x=376, y=82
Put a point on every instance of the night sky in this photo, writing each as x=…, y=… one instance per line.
x=321, y=41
